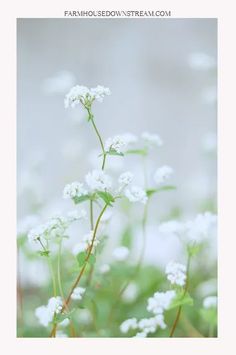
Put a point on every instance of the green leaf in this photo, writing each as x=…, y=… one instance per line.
x=181, y=299
x=137, y=151
x=80, y=199
x=114, y=152
x=81, y=257
x=106, y=197
x=150, y=192
x=209, y=315
x=44, y=253
x=92, y=259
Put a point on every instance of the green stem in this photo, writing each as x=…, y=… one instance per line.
x=185, y=291
x=91, y=214
x=59, y=272
x=99, y=137
x=50, y=268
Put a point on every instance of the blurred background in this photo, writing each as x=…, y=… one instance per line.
x=162, y=74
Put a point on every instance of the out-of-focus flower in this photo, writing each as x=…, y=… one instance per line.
x=85, y=96
x=104, y=268
x=126, y=178
x=160, y=301
x=210, y=302
x=136, y=194
x=201, y=227
x=77, y=294
x=74, y=189
x=131, y=292
x=45, y=314
x=176, y=273
x=152, y=139
x=116, y=144
x=150, y=325
x=201, y=61
x=37, y=233
x=128, y=324
x=120, y=253
x=162, y=174
x=97, y=180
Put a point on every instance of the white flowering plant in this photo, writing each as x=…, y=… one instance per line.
x=100, y=287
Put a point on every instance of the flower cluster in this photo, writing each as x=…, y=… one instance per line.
x=85, y=96
x=74, y=189
x=176, y=273
x=77, y=293
x=136, y=194
x=97, y=180
x=46, y=313
x=162, y=174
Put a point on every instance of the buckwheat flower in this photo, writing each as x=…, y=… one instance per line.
x=152, y=139
x=120, y=253
x=99, y=93
x=162, y=174
x=136, y=194
x=150, y=325
x=104, y=268
x=57, y=226
x=176, y=273
x=210, y=302
x=78, y=293
x=77, y=95
x=126, y=178
x=160, y=301
x=37, y=233
x=43, y=315
x=75, y=189
x=128, y=324
x=116, y=144
x=97, y=180
x=55, y=304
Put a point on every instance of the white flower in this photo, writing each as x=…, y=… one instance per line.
x=162, y=174
x=100, y=92
x=120, y=253
x=97, y=180
x=210, y=302
x=160, y=301
x=45, y=314
x=37, y=233
x=150, y=325
x=75, y=189
x=201, y=227
x=125, y=178
x=77, y=94
x=152, y=139
x=104, y=268
x=176, y=273
x=78, y=293
x=136, y=194
x=116, y=144
x=131, y=292
x=128, y=324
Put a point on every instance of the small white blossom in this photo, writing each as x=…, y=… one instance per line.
x=97, y=180
x=128, y=324
x=45, y=314
x=136, y=194
x=126, y=178
x=37, y=233
x=162, y=174
x=104, y=268
x=100, y=92
x=120, y=253
x=150, y=325
x=55, y=304
x=210, y=302
x=152, y=139
x=78, y=293
x=176, y=273
x=116, y=144
x=160, y=301
x=75, y=189
x=201, y=227
x=77, y=94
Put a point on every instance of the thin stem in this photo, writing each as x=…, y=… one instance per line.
x=50, y=268
x=59, y=272
x=99, y=138
x=82, y=270
x=180, y=307
x=91, y=214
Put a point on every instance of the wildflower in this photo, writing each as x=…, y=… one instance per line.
x=136, y=194
x=104, y=268
x=116, y=144
x=37, y=233
x=85, y=96
x=150, y=325
x=100, y=92
x=75, y=189
x=120, y=253
x=125, y=178
x=176, y=273
x=152, y=139
x=128, y=324
x=97, y=180
x=160, y=301
x=45, y=314
x=78, y=293
x=162, y=174
x=210, y=302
